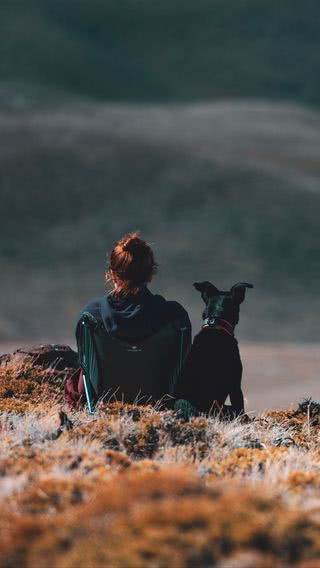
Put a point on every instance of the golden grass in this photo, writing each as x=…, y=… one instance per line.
x=133, y=487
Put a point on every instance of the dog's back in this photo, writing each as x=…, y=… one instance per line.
x=212, y=371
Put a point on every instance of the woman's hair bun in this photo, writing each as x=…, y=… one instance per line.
x=132, y=244
x=134, y=270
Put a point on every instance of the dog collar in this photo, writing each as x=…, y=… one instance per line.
x=219, y=323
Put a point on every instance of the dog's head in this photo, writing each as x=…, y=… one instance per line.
x=219, y=304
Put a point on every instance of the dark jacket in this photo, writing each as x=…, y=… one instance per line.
x=137, y=316
x=130, y=318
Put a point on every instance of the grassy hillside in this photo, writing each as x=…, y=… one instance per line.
x=134, y=487
x=225, y=192
x=174, y=50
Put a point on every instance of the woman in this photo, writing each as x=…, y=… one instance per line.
x=130, y=311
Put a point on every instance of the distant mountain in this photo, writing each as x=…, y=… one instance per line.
x=171, y=50
x=225, y=192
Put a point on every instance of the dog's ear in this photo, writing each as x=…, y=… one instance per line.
x=207, y=290
x=238, y=291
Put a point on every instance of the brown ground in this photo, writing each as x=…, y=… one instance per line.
x=280, y=376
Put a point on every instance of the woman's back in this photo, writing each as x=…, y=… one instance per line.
x=135, y=316
x=139, y=337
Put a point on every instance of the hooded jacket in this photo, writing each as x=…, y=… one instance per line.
x=131, y=317
x=136, y=316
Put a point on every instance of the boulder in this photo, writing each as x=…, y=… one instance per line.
x=59, y=357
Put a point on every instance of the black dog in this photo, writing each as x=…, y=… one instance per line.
x=213, y=368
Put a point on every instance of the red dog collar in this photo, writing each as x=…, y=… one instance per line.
x=219, y=323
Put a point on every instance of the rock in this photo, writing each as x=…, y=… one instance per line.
x=250, y=560
x=59, y=357
x=253, y=443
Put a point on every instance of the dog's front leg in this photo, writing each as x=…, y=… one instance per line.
x=236, y=394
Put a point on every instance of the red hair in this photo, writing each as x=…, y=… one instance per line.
x=131, y=263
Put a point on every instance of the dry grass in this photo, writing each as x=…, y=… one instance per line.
x=134, y=487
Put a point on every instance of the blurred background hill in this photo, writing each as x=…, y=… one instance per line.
x=174, y=50
x=196, y=122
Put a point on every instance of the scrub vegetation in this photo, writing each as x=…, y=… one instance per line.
x=134, y=487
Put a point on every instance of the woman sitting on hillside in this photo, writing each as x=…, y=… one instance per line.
x=129, y=313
